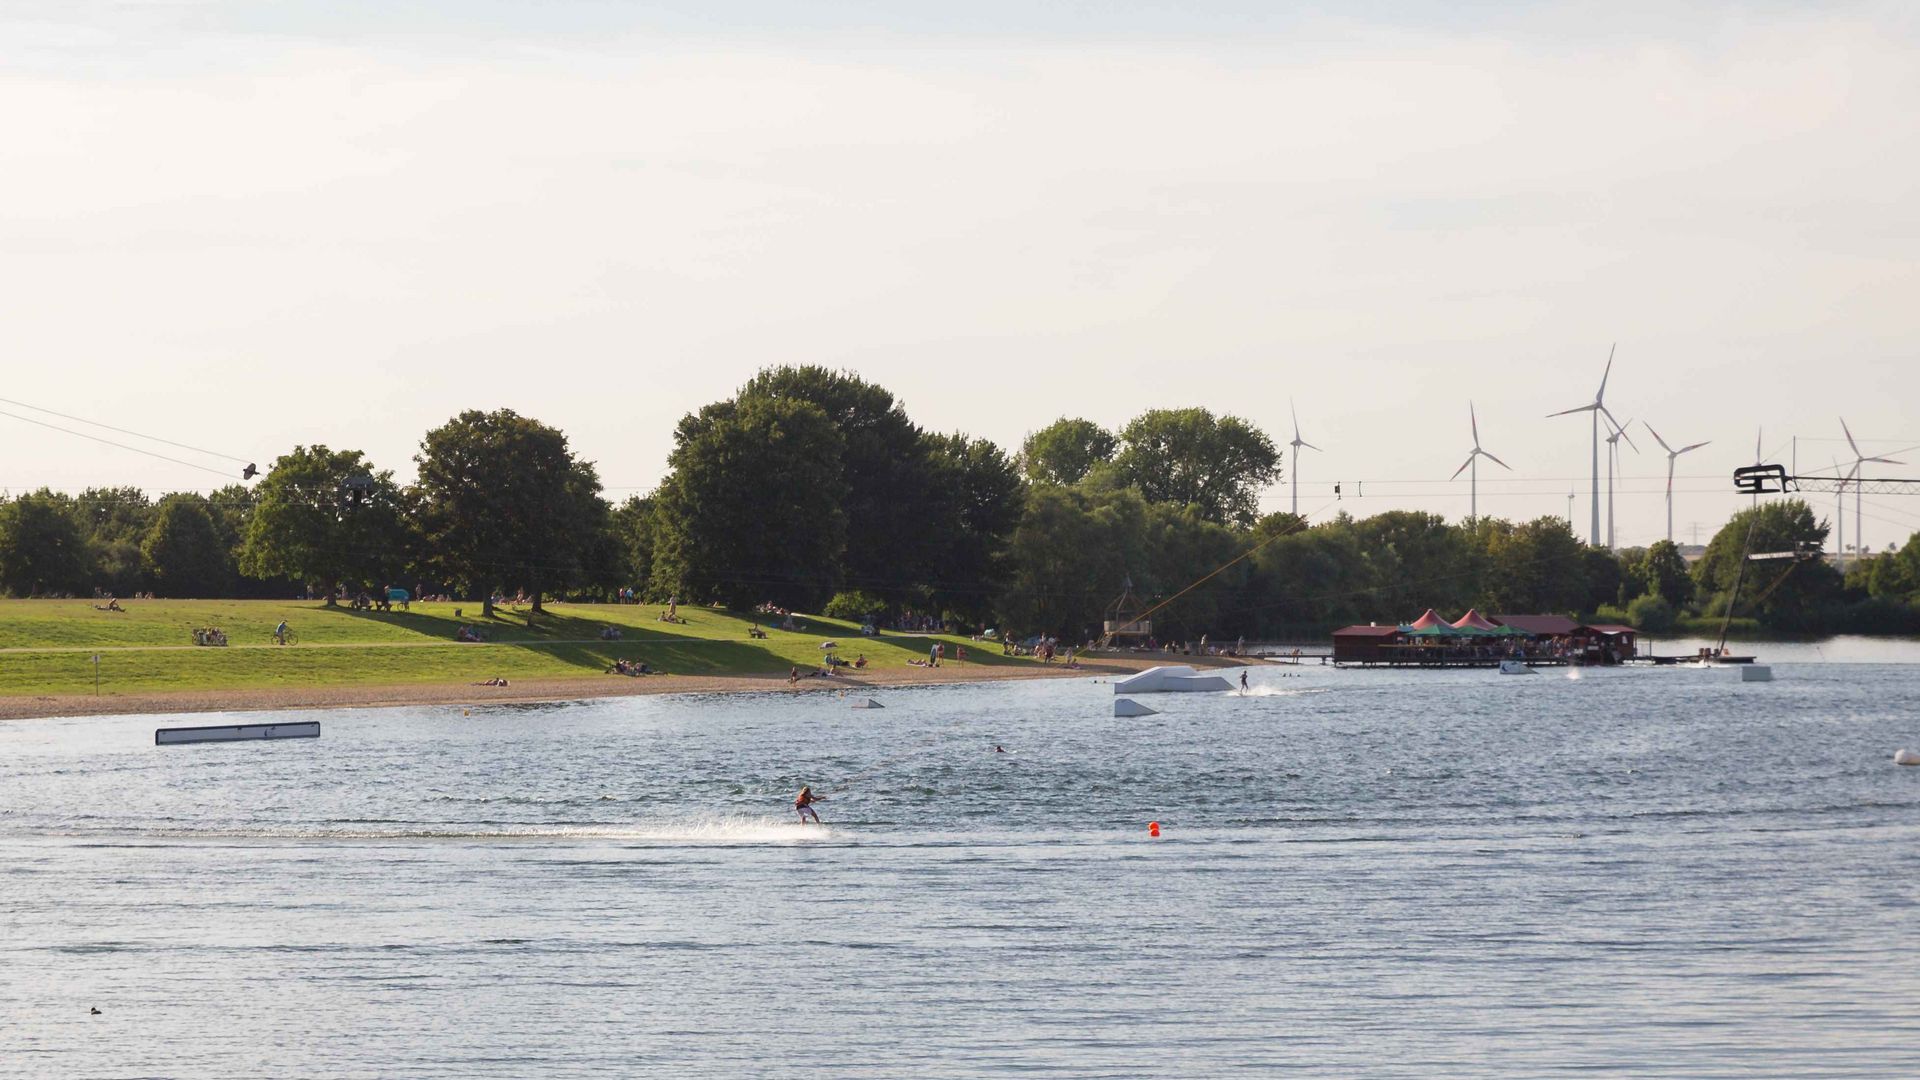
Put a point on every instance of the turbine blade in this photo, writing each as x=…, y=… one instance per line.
x=1570, y=412
x=1496, y=461
x=1850, y=442
x=1463, y=466
x=1472, y=416
x=1292, y=408
x=1620, y=430
x=1310, y=446
x=1602, y=395
x=1695, y=446
x=1657, y=438
x=1884, y=460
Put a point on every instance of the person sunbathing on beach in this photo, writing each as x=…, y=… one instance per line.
x=803, y=805
x=495, y=681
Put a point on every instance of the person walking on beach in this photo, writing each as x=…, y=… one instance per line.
x=803, y=805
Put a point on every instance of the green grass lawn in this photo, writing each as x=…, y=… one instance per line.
x=49, y=645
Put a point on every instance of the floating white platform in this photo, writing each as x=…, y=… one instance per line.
x=1172, y=679
x=303, y=729
x=1130, y=707
x=1756, y=673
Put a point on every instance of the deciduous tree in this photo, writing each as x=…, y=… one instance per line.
x=502, y=501
x=322, y=517
x=1189, y=457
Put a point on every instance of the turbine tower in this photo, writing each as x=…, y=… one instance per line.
x=1671, y=455
x=1598, y=407
x=1859, y=460
x=1473, y=459
x=1297, y=443
x=1840, y=518
x=1613, y=460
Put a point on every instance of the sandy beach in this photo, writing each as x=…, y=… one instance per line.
x=571, y=689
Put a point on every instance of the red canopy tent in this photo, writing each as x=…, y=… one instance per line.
x=1431, y=618
x=1473, y=620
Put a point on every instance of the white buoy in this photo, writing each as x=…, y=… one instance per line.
x=1130, y=707
x=1904, y=756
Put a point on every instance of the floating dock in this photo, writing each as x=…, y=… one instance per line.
x=303, y=729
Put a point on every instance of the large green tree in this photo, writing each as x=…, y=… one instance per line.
x=1785, y=594
x=1071, y=554
x=324, y=517
x=1190, y=457
x=895, y=516
x=753, y=509
x=503, y=502
x=1065, y=451
x=115, y=521
x=43, y=549
x=983, y=496
x=1662, y=571
x=1536, y=566
x=183, y=551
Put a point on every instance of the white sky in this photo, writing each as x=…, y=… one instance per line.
x=248, y=226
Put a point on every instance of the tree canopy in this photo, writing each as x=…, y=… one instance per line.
x=504, y=502
x=323, y=516
x=1189, y=457
x=1065, y=451
x=753, y=510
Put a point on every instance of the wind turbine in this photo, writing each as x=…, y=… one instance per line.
x=1840, y=517
x=1473, y=459
x=1598, y=407
x=1859, y=460
x=1613, y=460
x=1297, y=443
x=1671, y=455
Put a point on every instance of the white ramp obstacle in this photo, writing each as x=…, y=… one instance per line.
x=1756, y=673
x=868, y=703
x=1172, y=679
x=1130, y=707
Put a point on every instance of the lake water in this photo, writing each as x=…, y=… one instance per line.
x=1637, y=873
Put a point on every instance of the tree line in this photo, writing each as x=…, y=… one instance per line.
x=813, y=490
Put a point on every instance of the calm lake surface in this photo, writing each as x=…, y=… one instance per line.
x=1636, y=873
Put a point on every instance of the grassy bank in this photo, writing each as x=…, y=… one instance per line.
x=46, y=646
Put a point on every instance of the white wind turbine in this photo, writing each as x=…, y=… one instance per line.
x=1297, y=443
x=1840, y=518
x=1598, y=407
x=1473, y=459
x=1671, y=455
x=1854, y=475
x=1613, y=462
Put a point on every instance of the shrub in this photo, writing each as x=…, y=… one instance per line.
x=854, y=606
x=1650, y=613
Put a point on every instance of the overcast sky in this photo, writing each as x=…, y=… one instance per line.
x=244, y=227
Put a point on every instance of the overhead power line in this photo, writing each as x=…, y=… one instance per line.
x=110, y=427
x=120, y=445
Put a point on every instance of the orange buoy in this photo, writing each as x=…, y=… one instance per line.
x=1153, y=828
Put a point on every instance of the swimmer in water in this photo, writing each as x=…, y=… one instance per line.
x=803, y=805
